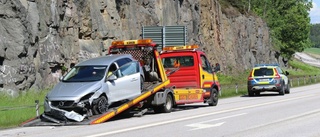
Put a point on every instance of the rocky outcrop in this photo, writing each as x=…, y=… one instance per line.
x=41, y=39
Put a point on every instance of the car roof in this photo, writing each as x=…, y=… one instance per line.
x=265, y=67
x=104, y=60
x=257, y=66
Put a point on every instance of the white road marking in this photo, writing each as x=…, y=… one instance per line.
x=198, y=126
x=196, y=116
x=201, y=125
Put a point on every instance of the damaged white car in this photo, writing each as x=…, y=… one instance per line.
x=93, y=86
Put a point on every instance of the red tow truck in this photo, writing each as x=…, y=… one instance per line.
x=174, y=76
x=195, y=81
x=191, y=76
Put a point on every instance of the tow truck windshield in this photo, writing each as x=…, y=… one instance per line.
x=180, y=61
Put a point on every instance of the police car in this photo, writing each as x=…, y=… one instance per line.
x=268, y=77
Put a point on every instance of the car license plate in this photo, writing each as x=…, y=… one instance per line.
x=264, y=80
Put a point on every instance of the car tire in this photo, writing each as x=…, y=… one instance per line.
x=257, y=93
x=213, y=97
x=141, y=84
x=250, y=93
x=100, y=105
x=287, y=91
x=282, y=89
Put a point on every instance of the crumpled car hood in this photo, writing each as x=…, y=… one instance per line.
x=72, y=90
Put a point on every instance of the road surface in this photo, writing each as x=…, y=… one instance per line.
x=307, y=59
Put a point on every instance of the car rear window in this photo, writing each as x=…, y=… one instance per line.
x=263, y=72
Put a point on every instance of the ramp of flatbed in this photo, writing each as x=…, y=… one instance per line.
x=126, y=106
x=96, y=119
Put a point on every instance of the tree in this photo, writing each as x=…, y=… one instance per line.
x=315, y=35
x=289, y=22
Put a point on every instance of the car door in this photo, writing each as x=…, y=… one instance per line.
x=127, y=84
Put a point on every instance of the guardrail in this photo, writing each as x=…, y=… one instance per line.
x=294, y=82
x=10, y=108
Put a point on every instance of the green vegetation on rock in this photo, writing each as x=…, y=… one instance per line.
x=288, y=20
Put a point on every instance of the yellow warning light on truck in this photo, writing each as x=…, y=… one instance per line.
x=186, y=47
x=132, y=42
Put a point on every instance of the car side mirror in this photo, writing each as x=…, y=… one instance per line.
x=112, y=77
x=60, y=78
x=287, y=73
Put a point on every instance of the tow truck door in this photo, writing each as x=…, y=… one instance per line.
x=206, y=73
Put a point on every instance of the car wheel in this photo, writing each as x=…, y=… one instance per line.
x=288, y=88
x=141, y=84
x=100, y=105
x=250, y=93
x=257, y=93
x=282, y=89
x=213, y=97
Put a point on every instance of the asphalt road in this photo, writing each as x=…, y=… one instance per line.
x=307, y=59
x=296, y=115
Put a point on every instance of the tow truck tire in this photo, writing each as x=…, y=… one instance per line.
x=167, y=107
x=213, y=97
x=100, y=105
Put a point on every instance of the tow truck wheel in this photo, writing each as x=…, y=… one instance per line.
x=167, y=107
x=213, y=97
x=100, y=105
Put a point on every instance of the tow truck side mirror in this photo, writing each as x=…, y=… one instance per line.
x=216, y=68
x=287, y=73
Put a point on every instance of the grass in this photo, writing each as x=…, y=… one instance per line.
x=312, y=50
x=14, y=111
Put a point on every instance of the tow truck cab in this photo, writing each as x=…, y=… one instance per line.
x=192, y=79
x=195, y=80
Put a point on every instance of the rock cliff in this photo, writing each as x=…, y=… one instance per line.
x=40, y=39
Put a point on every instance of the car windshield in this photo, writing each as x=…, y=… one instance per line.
x=263, y=72
x=181, y=61
x=85, y=74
